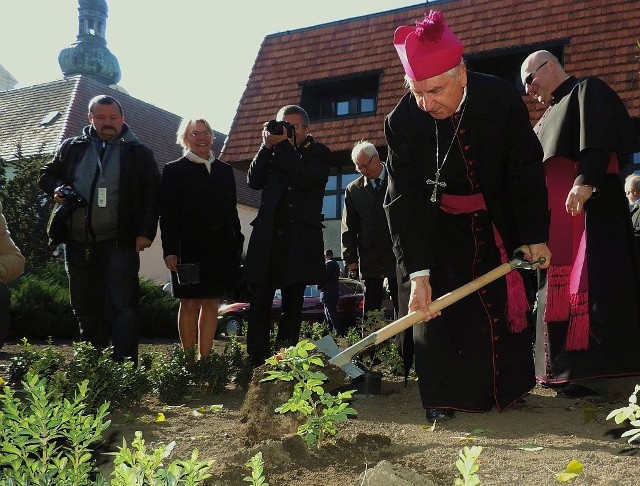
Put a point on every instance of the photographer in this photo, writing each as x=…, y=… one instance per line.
x=11, y=267
x=118, y=177
x=286, y=246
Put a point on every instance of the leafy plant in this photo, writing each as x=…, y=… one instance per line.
x=467, y=466
x=313, y=330
x=212, y=372
x=256, y=466
x=323, y=410
x=48, y=439
x=45, y=363
x=384, y=355
x=170, y=376
x=121, y=384
x=630, y=413
x=134, y=466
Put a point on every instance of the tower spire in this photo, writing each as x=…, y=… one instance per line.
x=89, y=55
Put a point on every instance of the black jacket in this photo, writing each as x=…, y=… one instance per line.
x=292, y=182
x=508, y=162
x=138, y=190
x=365, y=232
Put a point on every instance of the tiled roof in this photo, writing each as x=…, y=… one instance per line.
x=600, y=39
x=22, y=111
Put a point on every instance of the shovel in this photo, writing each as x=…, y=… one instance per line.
x=343, y=359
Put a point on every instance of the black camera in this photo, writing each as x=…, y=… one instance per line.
x=59, y=221
x=276, y=127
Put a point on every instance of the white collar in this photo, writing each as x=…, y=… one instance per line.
x=199, y=160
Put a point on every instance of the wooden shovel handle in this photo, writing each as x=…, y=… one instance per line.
x=441, y=302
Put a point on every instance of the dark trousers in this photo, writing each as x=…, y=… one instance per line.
x=374, y=293
x=259, y=325
x=332, y=317
x=104, y=288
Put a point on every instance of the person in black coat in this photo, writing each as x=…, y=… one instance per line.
x=588, y=328
x=632, y=191
x=330, y=289
x=199, y=224
x=286, y=245
x=466, y=188
x=366, y=241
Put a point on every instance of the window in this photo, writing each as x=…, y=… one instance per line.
x=341, y=97
x=339, y=179
x=506, y=63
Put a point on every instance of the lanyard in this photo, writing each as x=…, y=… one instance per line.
x=106, y=155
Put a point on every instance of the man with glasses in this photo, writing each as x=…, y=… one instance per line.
x=366, y=242
x=632, y=191
x=118, y=177
x=286, y=245
x=587, y=328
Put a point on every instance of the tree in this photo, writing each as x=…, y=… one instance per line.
x=26, y=208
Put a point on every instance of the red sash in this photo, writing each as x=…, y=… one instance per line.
x=567, y=277
x=517, y=303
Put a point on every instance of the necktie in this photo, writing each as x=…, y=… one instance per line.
x=376, y=183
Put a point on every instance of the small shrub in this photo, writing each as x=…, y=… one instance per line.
x=121, y=384
x=170, y=375
x=48, y=439
x=323, y=410
x=256, y=466
x=40, y=305
x=159, y=311
x=630, y=413
x=467, y=466
x=313, y=330
x=136, y=467
x=213, y=372
x=45, y=363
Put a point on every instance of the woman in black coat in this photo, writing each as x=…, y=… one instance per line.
x=199, y=224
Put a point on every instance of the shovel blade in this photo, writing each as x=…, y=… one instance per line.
x=328, y=346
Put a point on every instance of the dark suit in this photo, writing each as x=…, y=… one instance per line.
x=468, y=358
x=635, y=221
x=286, y=246
x=330, y=293
x=366, y=240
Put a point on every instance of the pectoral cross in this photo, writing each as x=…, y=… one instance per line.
x=436, y=183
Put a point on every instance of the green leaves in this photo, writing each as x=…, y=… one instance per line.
x=308, y=398
x=256, y=466
x=573, y=469
x=630, y=413
x=467, y=466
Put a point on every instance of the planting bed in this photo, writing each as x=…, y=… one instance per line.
x=390, y=427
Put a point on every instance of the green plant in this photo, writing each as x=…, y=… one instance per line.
x=467, y=465
x=630, y=413
x=48, y=439
x=158, y=311
x=322, y=410
x=384, y=355
x=137, y=467
x=212, y=372
x=170, y=375
x=45, y=363
x=256, y=466
x=122, y=384
x=313, y=330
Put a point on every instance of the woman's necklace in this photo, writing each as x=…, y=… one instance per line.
x=439, y=165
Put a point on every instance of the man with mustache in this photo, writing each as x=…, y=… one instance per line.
x=118, y=177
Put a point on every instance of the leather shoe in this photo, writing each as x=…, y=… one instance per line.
x=439, y=414
x=573, y=390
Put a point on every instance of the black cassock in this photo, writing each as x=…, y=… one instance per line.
x=587, y=123
x=469, y=358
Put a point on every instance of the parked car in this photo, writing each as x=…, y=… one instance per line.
x=350, y=307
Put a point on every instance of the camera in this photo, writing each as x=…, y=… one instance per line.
x=276, y=127
x=58, y=223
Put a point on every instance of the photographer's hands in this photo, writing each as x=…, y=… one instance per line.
x=58, y=195
x=269, y=140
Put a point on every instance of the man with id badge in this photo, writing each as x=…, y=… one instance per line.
x=115, y=177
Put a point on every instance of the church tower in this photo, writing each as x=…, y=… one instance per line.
x=89, y=55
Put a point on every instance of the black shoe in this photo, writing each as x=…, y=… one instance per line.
x=573, y=390
x=439, y=414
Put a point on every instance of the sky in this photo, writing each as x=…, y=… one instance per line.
x=192, y=58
